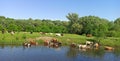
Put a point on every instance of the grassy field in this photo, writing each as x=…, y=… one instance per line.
x=80, y=39
x=20, y=37
x=17, y=38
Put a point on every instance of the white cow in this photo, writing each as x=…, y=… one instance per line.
x=12, y=33
x=58, y=34
x=89, y=43
x=82, y=46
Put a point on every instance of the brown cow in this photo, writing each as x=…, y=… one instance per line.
x=73, y=45
x=54, y=40
x=109, y=48
x=52, y=43
x=89, y=35
x=46, y=42
x=96, y=45
x=55, y=43
x=33, y=42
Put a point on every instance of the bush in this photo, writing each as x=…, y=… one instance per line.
x=111, y=34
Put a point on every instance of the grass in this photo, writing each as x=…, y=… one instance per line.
x=72, y=38
x=67, y=39
x=111, y=41
x=17, y=38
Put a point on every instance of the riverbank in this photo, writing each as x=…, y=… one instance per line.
x=67, y=39
x=81, y=39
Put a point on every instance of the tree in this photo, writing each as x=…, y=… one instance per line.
x=73, y=17
x=12, y=27
x=74, y=26
x=1, y=27
x=93, y=25
x=117, y=25
x=117, y=21
x=2, y=18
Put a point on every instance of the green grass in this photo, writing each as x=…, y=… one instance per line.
x=71, y=38
x=80, y=39
x=67, y=39
x=17, y=38
x=111, y=41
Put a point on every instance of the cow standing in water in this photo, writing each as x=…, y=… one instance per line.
x=73, y=45
x=55, y=43
x=89, y=43
x=52, y=43
x=30, y=42
x=46, y=43
x=109, y=48
x=82, y=46
x=96, y=45
x=25, y=44
x=33, y=42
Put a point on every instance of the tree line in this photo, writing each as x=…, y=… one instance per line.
x=30, y=25
x=93, y=25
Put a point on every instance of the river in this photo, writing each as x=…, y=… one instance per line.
x=64, y=53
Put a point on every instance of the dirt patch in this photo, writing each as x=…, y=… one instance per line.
x=44, y=38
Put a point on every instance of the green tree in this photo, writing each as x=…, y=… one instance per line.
x=1, y=27
x=12, y=27
x=94, y=25
x=117, y=21
x=117, y=25
x=74, y=26
x=73, y=17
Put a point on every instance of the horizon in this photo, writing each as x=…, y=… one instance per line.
x=58, y=9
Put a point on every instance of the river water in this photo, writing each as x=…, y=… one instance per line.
x=65, y=53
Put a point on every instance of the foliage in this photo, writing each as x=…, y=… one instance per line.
x=93, y=25
x=74, y=26
x=30, y=25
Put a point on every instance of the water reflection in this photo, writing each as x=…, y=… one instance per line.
x=93, y=52
x=117, y=52
x=72, y=52
x=43, y=53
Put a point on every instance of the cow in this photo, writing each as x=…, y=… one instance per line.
x=12, y=33
x=73, y=45
x=58, y=34
x=89, y=43
x=32, y=42
x=46, y=42
x=52, y=43
x=89, y=35
x=55, y=43
x=54, y=40
x=25, y=44
x=82, y=46
x=109, y=48
x=96, y=45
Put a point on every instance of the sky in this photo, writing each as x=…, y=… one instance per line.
x=58, y=9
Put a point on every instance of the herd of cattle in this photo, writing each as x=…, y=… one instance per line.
x=50, y=43
x=90, y=45
x=54, y=43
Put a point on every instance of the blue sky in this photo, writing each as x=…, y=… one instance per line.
x=58, y=9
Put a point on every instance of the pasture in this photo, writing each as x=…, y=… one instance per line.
x=19, y=37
